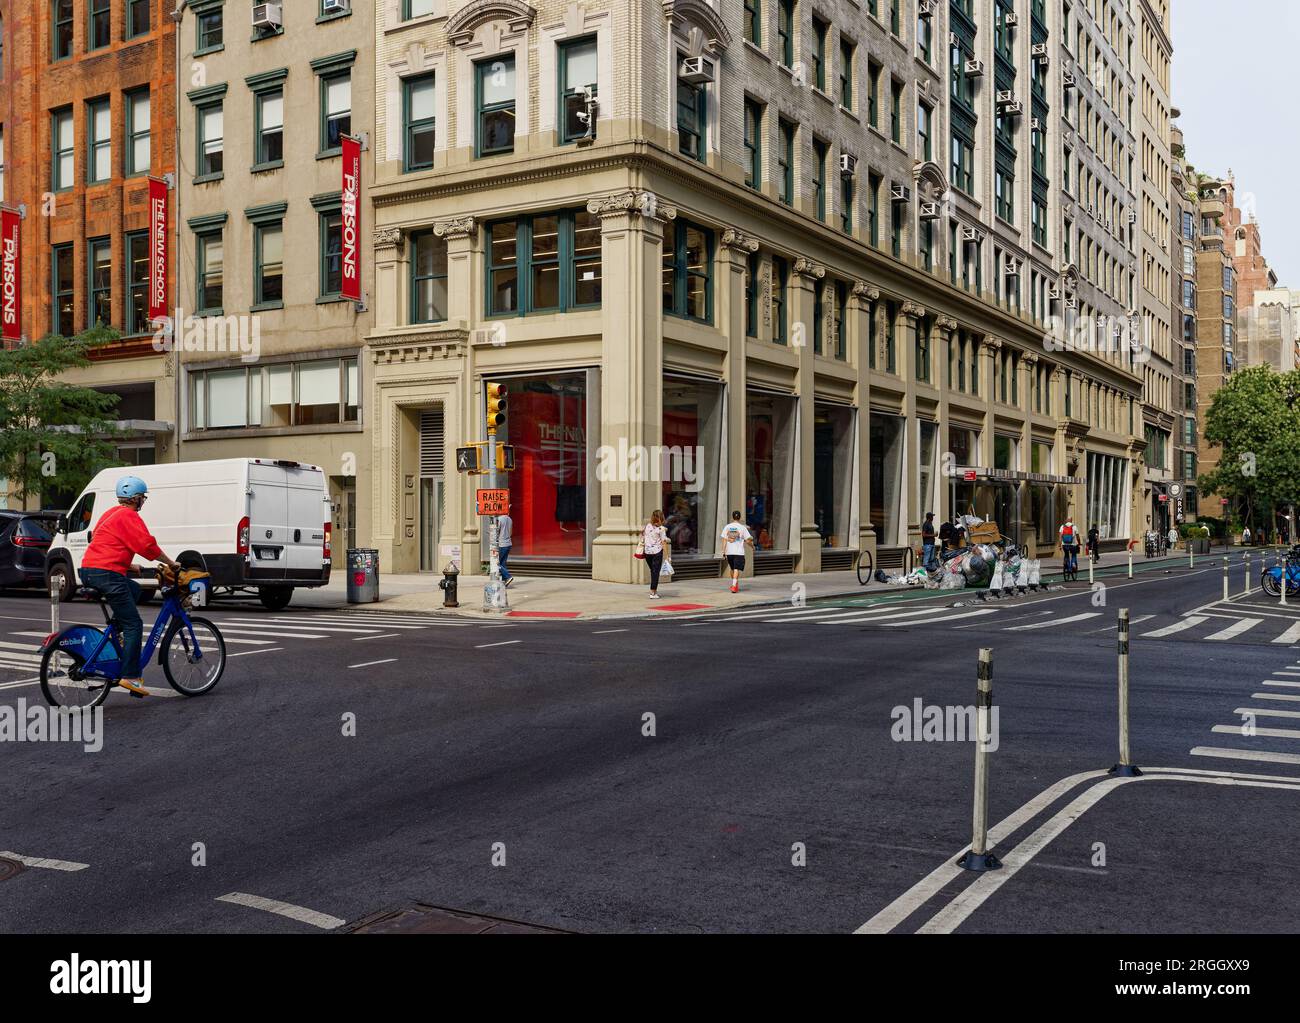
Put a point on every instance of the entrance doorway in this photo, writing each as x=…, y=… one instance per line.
x=432, y=460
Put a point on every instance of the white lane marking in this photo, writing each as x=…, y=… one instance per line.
x=239, y=624
x=1236, y=629
x=386, y=635
x=811, y=614
x=1241, y=754
x=309, y=622
x=40, y=861
x=14, y=656
x=484, y=646
x=930, y=885
x=249, y=653
x=250, y=631
x=1189, y=622
x=41, y=635
x=1275, y=696
x=871, y=619
x=1292, y=635
x=1111, y=628
x=1054, y=623
x=367, y=664
x=19, y=683
x=971, y=898
x=245, y=642
x=1262, y=712
x=1268, y=733
x=1281, y=685
x=609, y=632
x=307, y=916
x=942, y=621
x=29, y=647
x=1286, y=671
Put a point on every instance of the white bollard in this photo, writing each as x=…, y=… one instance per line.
x=1130, y=562
x=979, y=858
x=1225, y=578
x=1125, y=766
x=54, y=606
x=1247, y=590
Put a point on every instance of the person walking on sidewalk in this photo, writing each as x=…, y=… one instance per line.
x=654, y=539
x=735, y=535
x=505, y=540
x=927, y=542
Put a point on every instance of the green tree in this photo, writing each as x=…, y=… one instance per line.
x=53, y=434
x=1254, y=420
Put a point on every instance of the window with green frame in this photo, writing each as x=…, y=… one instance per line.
x=952, y=251
x=494, y=88
x=924, y=38
x=894, y=24
x=335, y=110
x=136, y=246
x=753, y=143
x=99, y=271
x=1004, y=189
x=819, y=317
x=268, y=263
x=137, y=132
x=99, y=152
x=848, y=196
x=99, y=32
x=897, y=211
x=874, y=184
x=874, y=71
x=785, y=31
x=209, y=30
x=137, y=18
x=963, y=164
x=751, y=295
x=921, y=351
x=330, y=230
x=820, y=149
x=268, y=129
x=688, y=271
x=891, y=337
x=924, y=128
x=927, y=245
x=548, y=262
x=209, y=139
x=1040, y=222
x=61, y=17
x=209, y=272
x=896, y=110
x=62, y=168
x=780, y=300
x=418, y=122
x=416, y=9
x=820, y=30
x=785, y=163
x=840, y=321
x=754, y=21
x=428, y=278
x=578, y=73
x=691, y=105
x=847, y=56
x=62, y=288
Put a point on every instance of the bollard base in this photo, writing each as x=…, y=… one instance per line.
x=979, y=862
x=1125, y=771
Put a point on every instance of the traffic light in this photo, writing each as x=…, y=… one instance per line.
x=506, y=457
x=496, y=406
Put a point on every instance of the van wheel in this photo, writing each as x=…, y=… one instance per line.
x=275, y=598
x=60, y=575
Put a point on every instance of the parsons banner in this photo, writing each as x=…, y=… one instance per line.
x=11, y=280
x=157, y=249
x=351, y=211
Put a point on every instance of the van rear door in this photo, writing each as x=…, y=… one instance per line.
x=308, y=513
x=268, y=517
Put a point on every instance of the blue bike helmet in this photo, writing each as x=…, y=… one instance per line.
x=131, y=486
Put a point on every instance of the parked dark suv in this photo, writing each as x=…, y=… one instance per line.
x=24, y=539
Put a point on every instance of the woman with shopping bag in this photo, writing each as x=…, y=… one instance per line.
x=656, y=546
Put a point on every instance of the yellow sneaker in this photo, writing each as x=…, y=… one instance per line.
x=134, y=686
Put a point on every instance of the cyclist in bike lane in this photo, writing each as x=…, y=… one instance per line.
x=118, y=536
x=1070, y=547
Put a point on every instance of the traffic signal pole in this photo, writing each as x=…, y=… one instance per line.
x=494, y=593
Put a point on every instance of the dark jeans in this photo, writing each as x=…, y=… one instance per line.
x=121, y=594
x=656, y=562
x=927, y=556
x=502, y=554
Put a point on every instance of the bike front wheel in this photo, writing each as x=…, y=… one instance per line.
x=1270, y=584
x=62, y=683
x=191, y=667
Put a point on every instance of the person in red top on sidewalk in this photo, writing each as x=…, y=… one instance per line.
x=118, y=536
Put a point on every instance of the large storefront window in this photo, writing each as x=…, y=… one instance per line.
x=547, y=424
x=769, y=464
x=925, y=459
x=833, y=450
x=1042, y=505
x=886, y=477
x=692, y=440
x=1107, y=495
x=963, y=444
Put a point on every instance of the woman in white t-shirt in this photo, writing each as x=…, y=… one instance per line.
x=735, y=536
x=654, y=539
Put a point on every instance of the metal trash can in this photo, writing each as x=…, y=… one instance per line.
x=363, y=575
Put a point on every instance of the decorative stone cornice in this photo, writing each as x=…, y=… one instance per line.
x=645, y=204
x=713, y=34
x=457, y=227
x=442, y=343
x=866, y=293
x=805, y=267
x=386, y=237
x=462, y=25
x=913, y=310
x=733, y=239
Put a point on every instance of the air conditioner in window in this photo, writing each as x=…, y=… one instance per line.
x=925, y=8
x=1010, y=19
x=954, y=39
x=335, y=6
x=267, y=16
x=972, y=235
x=1010, y=266
x=1071, y=303
x=975, y=68
x=1054, y=292
x=1005, y=96
x=1132, y=216
x=1015, y=108
x=697, y=70
x=900, y=193
x=929, y=211
x=1035, y=124
x=1067, y=80
x=1039, y=52
x=848, y=165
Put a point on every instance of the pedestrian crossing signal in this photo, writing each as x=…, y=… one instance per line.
x=496, y=406
x=506, y=457
x=467, y=460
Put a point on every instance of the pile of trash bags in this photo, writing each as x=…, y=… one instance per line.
x=1000, y=570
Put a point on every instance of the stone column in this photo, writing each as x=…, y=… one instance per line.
x=389, y=280
x=1028, y=366
x=733, y=268
x=631, y=371
x=861, y=340
x=912, y=315
x=808, y=542
x=945, y=335
x=990, y=351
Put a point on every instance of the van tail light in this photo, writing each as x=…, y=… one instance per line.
x=325, y=552
x=241, y=536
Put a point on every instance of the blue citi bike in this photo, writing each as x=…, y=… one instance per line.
x=1271, y=578
x=81, y=665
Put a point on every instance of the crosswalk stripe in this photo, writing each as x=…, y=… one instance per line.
x=787, y=615
x=942, y=621
x=1241, y=754
x=871, y=619
x=1169, y=630
x=1054, y=623
x=1275, y=696
x=29, y=647
x=225, y=634
x=1292, y=635
x=15, y=656
x=309, y=622
x=280, y=629
x=244, y=630
x=1263, y=712
x=1280, y=684
x=1268, y=733
x=1233, y=630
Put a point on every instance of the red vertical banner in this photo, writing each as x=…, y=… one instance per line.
x=351, y=216
x=11, y=275
x=157, y=249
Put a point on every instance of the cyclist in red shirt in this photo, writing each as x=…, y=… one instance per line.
x=118, y=536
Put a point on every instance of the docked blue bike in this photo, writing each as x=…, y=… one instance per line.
x=81, y=664
x=1271, y=578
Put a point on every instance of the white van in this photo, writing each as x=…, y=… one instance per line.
x=253, y=523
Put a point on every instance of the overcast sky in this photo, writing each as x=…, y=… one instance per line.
x=1235, y=74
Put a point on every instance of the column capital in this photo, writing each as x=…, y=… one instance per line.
x=865, y=293
x=805, y=267
x=913, y=310
x=388, y=237
x=733, y=239
x=992, y=344
x=644, y=204
x=455, y=228
x=1030, y=359
x=945, y=323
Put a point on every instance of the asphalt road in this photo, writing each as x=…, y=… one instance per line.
x=504, y=768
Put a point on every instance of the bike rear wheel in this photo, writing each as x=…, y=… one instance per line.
x=1270, y=584
x=62, y=684
x=865, y=567
x=193, y=671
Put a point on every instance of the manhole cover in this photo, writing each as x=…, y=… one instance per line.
x=421, y=919
x=8, y=868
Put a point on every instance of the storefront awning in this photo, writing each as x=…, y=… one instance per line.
x=979, y=474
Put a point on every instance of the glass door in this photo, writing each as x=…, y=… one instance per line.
x=431, y=497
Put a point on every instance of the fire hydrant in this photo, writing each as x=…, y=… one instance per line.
x=448, y=586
